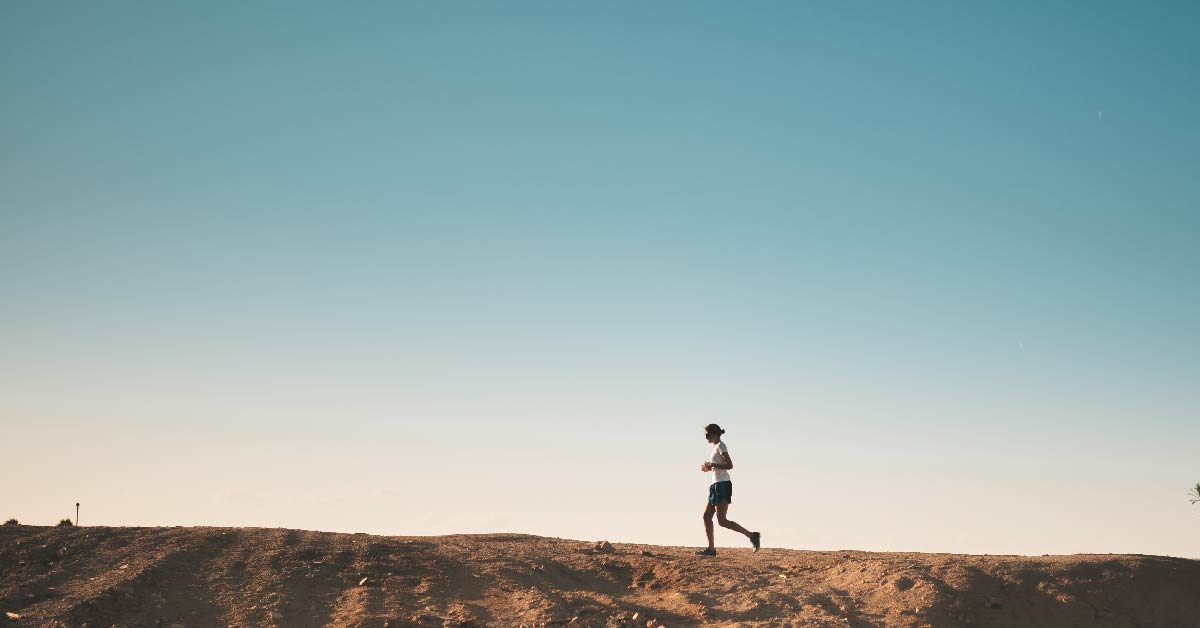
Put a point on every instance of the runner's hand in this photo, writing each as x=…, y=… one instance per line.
x=706, y=466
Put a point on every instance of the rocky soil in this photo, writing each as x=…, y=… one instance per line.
x=199, y=577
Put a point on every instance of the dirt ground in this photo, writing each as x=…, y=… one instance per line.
x=196, y=577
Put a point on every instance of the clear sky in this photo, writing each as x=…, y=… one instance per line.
x=423, y=268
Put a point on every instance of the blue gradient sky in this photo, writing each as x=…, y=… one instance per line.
x=420, y=268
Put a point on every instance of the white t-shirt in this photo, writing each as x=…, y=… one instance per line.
x=718, y=456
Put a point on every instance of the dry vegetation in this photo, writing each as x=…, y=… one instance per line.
x=197, y=577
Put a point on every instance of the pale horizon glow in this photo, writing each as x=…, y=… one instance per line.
x=442, y=268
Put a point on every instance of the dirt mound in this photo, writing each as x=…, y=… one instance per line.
x=199, y=577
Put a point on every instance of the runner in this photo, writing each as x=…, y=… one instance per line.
x=720, y=493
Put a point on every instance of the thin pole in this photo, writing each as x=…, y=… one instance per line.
x=76, y=514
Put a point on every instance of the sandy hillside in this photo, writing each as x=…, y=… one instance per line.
x=196, y=577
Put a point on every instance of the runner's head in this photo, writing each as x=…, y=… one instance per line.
x=712, y=432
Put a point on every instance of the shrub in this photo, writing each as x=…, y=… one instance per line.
x=65, y=523
x=12, y=522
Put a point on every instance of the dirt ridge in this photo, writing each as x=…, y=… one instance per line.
x=100, y=577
